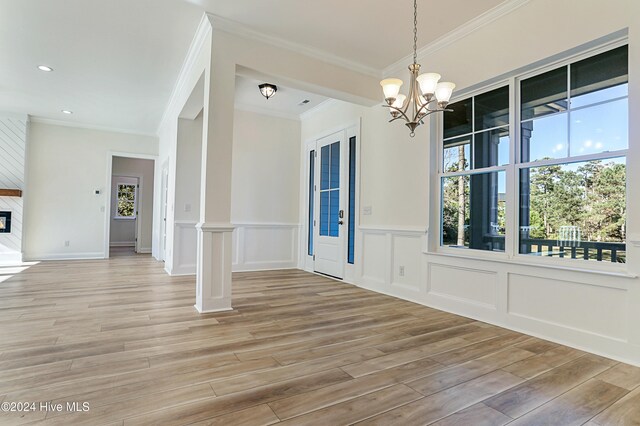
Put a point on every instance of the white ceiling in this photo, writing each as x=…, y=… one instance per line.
x=285, y=103
x=116, y=61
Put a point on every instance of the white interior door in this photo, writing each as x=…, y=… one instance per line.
x=329, y=229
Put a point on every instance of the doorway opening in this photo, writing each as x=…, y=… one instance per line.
x=130, y=214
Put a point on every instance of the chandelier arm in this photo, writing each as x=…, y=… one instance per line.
x=402, y=113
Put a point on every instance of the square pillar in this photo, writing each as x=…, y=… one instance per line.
x=213, y=270
x=213, y=265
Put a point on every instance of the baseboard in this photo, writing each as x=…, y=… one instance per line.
x=145, y=250
x=64, y=256
x=263, y=266
x=182, y=270
x=122, y=244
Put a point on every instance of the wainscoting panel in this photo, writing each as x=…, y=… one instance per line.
x=585, y=308
x=406, y=264
x=256, y=247
x=185, y=247
x=265, y=246
x=470, y=286
x=375, y=258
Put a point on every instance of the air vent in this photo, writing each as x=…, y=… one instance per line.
x=304, y=102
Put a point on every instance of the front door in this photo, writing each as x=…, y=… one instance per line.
x=329, y=229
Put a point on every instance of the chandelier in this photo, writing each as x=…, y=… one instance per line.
x=426, y=94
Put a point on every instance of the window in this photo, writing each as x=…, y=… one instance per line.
x=569, y=175
x=330, y=190
x=351, y=235
x=126, y=201
x=312, y=171
x=473, y=180
x=573, y=143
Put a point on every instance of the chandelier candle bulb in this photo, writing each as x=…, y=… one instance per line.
x=420, y=100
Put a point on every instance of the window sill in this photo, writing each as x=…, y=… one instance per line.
x=124, y=218
x=618, y=271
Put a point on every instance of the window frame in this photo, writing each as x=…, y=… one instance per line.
x=511, y=252
x=117, y=215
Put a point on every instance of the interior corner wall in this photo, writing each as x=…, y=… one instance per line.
x=65, y=166
x=13, y=144
x=265, y=191
x=136, y=167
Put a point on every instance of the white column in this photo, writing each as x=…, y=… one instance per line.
x=213, y=274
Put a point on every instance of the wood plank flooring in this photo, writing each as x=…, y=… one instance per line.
x=298, y=349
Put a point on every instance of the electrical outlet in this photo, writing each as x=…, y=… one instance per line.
x=187, y=207
x=66, y=243
x=401, y=271
x=366, y=210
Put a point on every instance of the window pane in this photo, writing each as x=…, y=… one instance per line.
x=352, y=201
x=600, y=128
x=335, y=165
x=492, y=109
x=457, y=154
x=600, y=77
x=575, y=211
x=473, y=211
x=545, y=137
x=544, y=94
x=324, y=213
x=312, y=158
x=458, y=122
x=491, y=148
x=324, y=167
x=334, y=208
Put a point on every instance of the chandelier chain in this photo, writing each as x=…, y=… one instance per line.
x=415, y=31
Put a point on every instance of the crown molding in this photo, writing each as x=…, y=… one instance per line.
x=460, y=32
x=266, y=111
x=197, y=42
x=53, y=122
x=223, y=24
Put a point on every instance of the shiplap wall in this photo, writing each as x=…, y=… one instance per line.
x=13, y=142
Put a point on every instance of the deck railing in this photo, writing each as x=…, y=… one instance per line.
x=587, y=250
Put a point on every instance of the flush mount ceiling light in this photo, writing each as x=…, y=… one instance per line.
x=268, y=90
x=426, y=95
x=45, y=68
x=66, y=111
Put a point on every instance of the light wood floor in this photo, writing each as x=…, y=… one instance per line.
x=298, y=349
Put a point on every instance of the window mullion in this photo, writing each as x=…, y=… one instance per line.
x=512, y=190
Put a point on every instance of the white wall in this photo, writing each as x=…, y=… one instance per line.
x=187, y=197
x=66, y=166
x=13, y=144
x=264, y=197
x=264, y=191
x=595, y=311
x=144, y=170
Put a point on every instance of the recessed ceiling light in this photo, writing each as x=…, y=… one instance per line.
x=45, y=68
x=66, y=111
